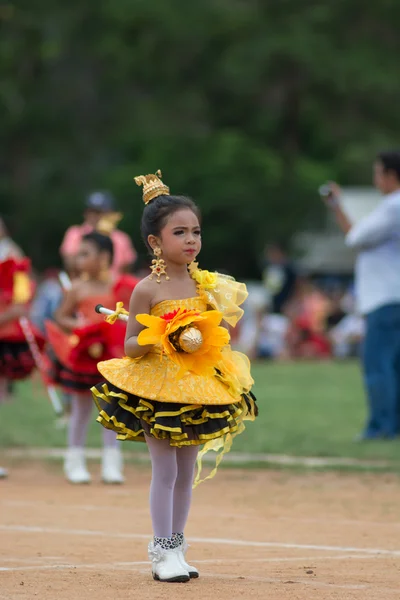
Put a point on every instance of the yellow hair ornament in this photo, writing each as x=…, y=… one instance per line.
x=152, y=186
x=108, y=223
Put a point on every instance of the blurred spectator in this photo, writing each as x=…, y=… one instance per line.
x=279, y=275
x=308, y=303
x=272, y=336
x=97, y=205
x=315, y=325
x=248, y=331
x=376, y=238
x=47, y=299
x=335, y=311
x=305, y=342
x=344, y=327
x=307, y=312
x=8, y=249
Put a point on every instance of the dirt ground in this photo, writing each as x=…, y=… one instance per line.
x=253, y=534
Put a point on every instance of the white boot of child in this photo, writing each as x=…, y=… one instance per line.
x=3, y=473
x=112, y=463
x=182, y=549
x=75, y=466
x=166, y=565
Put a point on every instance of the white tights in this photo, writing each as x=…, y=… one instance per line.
x=81, y=410
x=171, y=486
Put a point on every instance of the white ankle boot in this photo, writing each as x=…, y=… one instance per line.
x=166, y=565
x=182, y=549
x=3, y=473
x=111, y=469
x=75, y=466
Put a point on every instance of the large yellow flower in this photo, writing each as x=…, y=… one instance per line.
x=202, y=361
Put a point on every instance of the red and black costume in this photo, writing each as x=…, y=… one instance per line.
x=72, y=357
x=16, y=287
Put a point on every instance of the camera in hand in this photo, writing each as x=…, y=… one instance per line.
x=325, y=190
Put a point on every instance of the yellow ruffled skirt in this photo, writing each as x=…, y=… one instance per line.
x=144, y=397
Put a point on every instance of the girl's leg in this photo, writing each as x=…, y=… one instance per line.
x=3, y=395
x=75, y=463
x=165, y=558
x=110, y=438
x=164, y=473
x=112, y=460
x=81, y=410
x=186, y=461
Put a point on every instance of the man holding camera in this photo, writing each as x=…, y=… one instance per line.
x=376, y=238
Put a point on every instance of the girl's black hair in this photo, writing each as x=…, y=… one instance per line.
x=102, y=242
x=157, y=211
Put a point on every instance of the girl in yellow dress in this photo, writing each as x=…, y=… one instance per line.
x=180, y=385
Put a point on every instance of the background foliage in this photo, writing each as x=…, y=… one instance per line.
x=246, y=105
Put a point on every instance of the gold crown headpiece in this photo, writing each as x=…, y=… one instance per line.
x=152, y=186
x=108, y=223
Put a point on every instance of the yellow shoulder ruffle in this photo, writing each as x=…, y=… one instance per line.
x=222, y=293
x=234, y=371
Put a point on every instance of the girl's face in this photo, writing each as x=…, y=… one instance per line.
x=90, y=260
x=180, y=238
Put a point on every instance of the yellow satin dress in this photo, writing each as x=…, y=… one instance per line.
x=143, y=396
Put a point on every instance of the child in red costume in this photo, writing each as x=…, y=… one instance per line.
x=79, y=339
x=16, y=293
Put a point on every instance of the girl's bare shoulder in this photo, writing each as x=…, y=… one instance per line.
x=145, y=290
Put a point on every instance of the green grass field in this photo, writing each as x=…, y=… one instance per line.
x=312, y=409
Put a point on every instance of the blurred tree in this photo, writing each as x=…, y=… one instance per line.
x=245, y=105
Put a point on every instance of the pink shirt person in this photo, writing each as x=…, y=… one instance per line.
x=124, y=253
x=99, y=203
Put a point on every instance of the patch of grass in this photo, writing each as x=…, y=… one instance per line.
x=306, y=409
x=29, y=420
x=311, y=409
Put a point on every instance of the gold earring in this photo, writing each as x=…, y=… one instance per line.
x=158, y=266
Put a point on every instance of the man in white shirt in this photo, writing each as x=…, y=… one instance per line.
x=377, y=278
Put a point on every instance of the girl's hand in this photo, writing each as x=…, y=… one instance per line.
x=335, y=189
x=332, y=198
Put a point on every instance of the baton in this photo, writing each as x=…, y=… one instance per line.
x=106, y=311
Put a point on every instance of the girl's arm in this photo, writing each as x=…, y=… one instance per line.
x=15, y=311
x=140, y=303
x=64, y=315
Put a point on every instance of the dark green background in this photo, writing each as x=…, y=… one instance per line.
x=246, y=106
